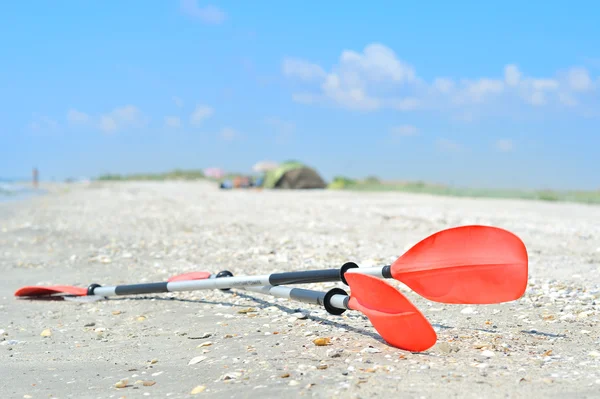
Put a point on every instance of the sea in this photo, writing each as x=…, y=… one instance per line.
x=17, y=189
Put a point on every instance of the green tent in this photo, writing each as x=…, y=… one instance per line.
x=293, y=175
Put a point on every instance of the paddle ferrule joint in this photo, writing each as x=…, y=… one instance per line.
x=386, y=271
x=331, y=305
x=224, y=273
x=91, y=288
x=345, y=267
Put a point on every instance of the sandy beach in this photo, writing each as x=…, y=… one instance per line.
x=238, y=344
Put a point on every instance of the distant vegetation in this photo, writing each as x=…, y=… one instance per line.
x=374, y=184
x=176, y=174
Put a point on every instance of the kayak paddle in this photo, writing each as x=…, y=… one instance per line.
x=461, y=265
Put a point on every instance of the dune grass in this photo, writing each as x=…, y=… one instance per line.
x=176, y=174
x=373, y=184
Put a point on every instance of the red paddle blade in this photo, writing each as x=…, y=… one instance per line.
x=190, y=276
x=467, y=265
x=394, y=317
x=52, y=290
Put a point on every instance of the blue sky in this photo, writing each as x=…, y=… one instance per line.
x=489, y=95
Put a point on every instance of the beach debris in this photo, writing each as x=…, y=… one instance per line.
x=300, y=315
x=198, y=389
x=370, y=349
x=10, y=342
x=202, y=336
x=122, y=383
x=196, y=360
x=334, y=353
x=46, y=333
x=468, y=310
x=234, y=375
x=444, y=347
x=322, y=341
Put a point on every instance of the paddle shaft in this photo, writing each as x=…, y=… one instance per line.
x=226, y=282
x=335, y=300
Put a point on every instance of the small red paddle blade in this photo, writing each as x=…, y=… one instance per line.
x=394, y=317
x=467, y=265
x=52, y=290
x=190, y=276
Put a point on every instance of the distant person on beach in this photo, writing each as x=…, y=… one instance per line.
x=35, y=177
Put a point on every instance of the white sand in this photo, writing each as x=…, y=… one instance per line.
x=547, y=344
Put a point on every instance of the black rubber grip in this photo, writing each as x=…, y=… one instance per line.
x=304, y=277
x=149, y=288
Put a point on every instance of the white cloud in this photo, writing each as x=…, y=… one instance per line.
x=404, y=131
x=348, y=94
x=406, y=104
x=378, y=63
x=200, y=114
x=448, y=145
x=108, y=124
x=544, y=84
x=126, y=117
x=178, y=101
x=120, y=118
x=512, y=75
x=228, y=134
x=504, y=145
x=172, y=121
x=75, y=117
x=348, y=83
x=208, y=14
x=443, y=85
x=478, y=90
x=579, y=79
x=377, y=78
x=301, y=69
